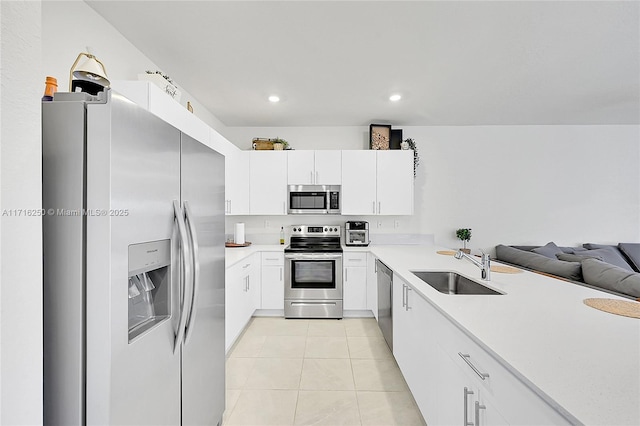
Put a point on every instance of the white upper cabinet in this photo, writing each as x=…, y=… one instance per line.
x=358, y=182
x=314, y=167
x=301, y=169
x=268, y=182
x=394, y=182
x=377, y=182
x=236, y=172
x=328, y=167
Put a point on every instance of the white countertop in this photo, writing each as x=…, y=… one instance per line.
x=234, y=255
x=585, y=360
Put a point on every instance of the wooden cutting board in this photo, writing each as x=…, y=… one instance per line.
x=228, y=244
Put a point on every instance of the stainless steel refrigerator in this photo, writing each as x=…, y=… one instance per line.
x=133, y=215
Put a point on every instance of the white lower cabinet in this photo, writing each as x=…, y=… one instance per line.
x=414, y=346
x=242, y=296
x=452, y=378
x=461, y=399
x=272, y=280
x=354, y=281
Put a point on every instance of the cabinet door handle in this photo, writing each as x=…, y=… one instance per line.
x=407, y=307
x=281, y=274
x=478, y=408
x=311, y=177
x=404, y=288
x=374, y=207
x=229, y=206
x=249, y=283
x=467, y=392
x=466, y=358
x=379, y=207
x=317, y=178
x=346, y=274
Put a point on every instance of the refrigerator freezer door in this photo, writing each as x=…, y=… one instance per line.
x=133, y=176
x=63, y=150
x=203, y=354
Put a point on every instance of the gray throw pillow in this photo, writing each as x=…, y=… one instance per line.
x=605, y=275
x=549, y=250
x=572, y=250
x=632, y=251
x=592, y=246
x=538, y=262
x=610, y=255
x=576, y=257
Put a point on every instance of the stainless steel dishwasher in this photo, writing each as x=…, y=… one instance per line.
x=385, y=301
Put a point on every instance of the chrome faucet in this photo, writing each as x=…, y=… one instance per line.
x=484, y=264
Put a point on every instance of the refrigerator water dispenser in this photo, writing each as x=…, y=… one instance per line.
x=149, y=286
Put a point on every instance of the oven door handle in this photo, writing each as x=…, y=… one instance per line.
x=312, y=256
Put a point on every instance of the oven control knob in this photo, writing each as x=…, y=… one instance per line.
x=335, y=229
x=325, y=229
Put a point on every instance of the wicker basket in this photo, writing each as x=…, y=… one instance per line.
x=261, y=144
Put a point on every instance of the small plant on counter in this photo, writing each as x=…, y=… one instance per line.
x=464, y=235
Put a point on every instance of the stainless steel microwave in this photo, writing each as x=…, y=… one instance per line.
x=314, y=199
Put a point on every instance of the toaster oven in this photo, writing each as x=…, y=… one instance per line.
x=356, y=233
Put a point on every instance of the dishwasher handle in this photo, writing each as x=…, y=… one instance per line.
x=384, y=269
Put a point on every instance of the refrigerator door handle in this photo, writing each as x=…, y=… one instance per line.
x=187, y=276
x=196, y=273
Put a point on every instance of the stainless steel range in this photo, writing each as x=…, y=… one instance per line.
x=313, y=273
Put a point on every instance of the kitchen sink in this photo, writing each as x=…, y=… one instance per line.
x=452, y=283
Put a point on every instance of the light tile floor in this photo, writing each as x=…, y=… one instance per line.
x=316, y=372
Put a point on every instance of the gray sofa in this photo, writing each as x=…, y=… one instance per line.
x=611, y=268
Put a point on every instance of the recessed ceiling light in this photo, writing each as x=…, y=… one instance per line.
x=274, y=98
x=395, y=98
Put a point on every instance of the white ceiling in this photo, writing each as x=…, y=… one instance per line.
x=335, y=63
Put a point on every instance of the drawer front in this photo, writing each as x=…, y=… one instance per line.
x=272, y=258
x=516, y=401
x=354, y=259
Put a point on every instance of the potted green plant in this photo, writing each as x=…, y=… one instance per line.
x=411, y=144
x=280, y=144
x=464, y=235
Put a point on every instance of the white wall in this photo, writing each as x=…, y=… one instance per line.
x=70, y=27
x=531, y=184
x=510, y=184
x=344, y=137
x=21, y=87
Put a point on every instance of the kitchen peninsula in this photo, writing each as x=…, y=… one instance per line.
x=544, y=349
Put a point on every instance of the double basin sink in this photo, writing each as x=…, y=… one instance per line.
x=453, y=283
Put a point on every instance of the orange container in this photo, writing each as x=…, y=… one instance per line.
x=51, y=87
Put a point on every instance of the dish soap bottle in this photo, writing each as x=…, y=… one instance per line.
x=282, y=235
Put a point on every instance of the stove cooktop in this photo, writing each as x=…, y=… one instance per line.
x=314, y=239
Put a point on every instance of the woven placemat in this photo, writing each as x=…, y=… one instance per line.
x=446, y=252
x=615, y=306
x=505, y=269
